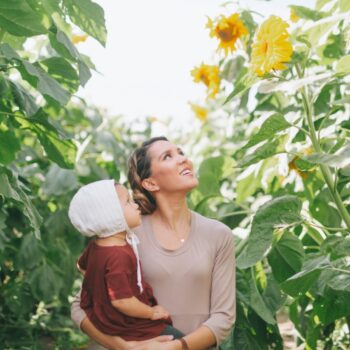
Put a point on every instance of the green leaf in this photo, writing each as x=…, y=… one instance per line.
x=336, y=246
x=45, y=84
x=24, y=99
x=89, y=16
x=9, y=146
x=211, y=172
x=62, y=44
x=333, y=306
x=20, y=19
x=244, y=82
x=29, y=253
x=59, y=181
x=62, y=71
x=303, y=280
x=10, y=188
x=343, y=65
x=44, y=283
x=269, y=149
x=286, y=256
x=272, y=125
x=344, y=5
x=322, y=211
x=273, y=296
x=307, y=13
x=340, y=159
x=276, y=213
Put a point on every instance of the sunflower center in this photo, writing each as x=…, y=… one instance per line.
x=204, y=78
x=226, y=35
x=265, y=47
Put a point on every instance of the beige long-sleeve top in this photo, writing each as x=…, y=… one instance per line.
x=196, y=282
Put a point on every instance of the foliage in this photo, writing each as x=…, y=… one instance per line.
x=275, y=170
x=287, y=196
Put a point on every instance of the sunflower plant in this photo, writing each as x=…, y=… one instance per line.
x=281, y=178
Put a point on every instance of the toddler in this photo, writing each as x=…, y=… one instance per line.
x=114, y=295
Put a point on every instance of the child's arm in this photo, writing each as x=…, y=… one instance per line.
x=80, y=269
x=135, y=308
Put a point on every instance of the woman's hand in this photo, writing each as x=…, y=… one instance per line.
x=159, y=312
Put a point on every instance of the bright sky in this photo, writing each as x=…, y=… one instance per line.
x=151, y=48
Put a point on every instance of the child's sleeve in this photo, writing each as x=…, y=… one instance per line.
x=82, y=261
x=118, y=277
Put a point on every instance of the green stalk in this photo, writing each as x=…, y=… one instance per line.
x=326, y=172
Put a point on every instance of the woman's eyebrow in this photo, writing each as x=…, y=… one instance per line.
x=169, y=150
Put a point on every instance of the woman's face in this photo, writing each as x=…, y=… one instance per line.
x=171, y=170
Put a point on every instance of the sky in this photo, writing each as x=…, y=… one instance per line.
x=151, y=48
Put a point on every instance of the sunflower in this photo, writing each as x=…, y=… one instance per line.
x=228, y=30
x=76, y=39
x=209, y=76
x=200, y=112
x=271, y=47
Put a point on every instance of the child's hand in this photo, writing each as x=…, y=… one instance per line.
x=159, y=313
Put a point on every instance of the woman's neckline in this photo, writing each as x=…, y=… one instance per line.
x=183, y=246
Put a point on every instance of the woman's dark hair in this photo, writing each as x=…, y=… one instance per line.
x=139, y=166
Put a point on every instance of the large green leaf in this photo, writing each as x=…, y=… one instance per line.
x=62, y=71
x=18, y=18
x=333, y=306
x=286, y=256
x=10, y=188
x=59, y=181
x=60, y=150
x=267, y=150
x=244, y=82
x=336, y=246
x=9, y=146
x=211, y=172
x=277, y=213
x=272, y=125
x=24, y=99
x=303, y=280
x=89, y=16
x=29, y=253
x=322, y=210
x=44, y=283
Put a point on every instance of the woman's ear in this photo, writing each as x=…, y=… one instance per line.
x=150, y=185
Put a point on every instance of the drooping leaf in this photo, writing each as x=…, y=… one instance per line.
x=29, y=253
x=24, y=99
x=276, y=213
x=272, y=125
x=286, y=256
x=89, y=16
x=59, y=181
x=18, y=18
x=10, y=188
x=301, y=282
x=267, y=150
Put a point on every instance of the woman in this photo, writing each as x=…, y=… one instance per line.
x=187, y=259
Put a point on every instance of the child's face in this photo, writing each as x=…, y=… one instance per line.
x=131, y=210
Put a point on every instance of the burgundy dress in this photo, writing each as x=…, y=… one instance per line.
x=111, y=273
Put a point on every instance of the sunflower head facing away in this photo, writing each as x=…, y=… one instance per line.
x=209, y=76
x=271, y=47
x=228, y=30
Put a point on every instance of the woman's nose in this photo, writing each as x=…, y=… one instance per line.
x=182, y=158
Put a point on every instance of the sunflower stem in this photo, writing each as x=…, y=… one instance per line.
x=326, y=171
